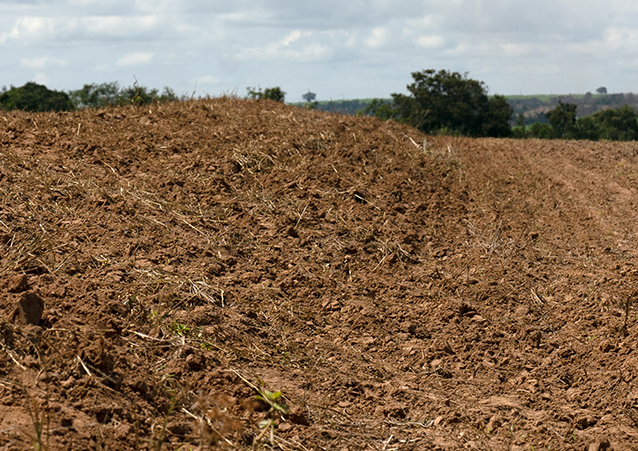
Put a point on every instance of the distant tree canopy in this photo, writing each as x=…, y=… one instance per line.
x=309, y=96
x=613, y=124
x=97, y=96
x=447, y=102
x=562, y=119
x=34, y=97
x=276, y=94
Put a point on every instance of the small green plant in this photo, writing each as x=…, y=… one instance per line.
x=180, y=329
x=277, y=408
x=271, y=398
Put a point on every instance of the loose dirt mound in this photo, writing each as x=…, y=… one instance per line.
x=240, y=274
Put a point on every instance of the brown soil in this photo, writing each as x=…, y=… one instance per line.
x=472, y=294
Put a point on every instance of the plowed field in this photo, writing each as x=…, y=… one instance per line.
x=229, y=274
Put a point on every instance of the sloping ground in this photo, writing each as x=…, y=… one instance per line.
x=469, y=294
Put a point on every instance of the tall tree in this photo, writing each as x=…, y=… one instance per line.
x=448, y=102
x=309, y=96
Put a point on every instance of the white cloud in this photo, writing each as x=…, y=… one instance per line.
x=377, y=39
x=35, y=63
x=206, y=80
x=39, y=28
x=135, y=59
x=515, y=50
x=299, y=46
x=30, y=27
x=117, y=26
x=41, y=78
x=430, y=42
x=42, y=62
x=294, y=36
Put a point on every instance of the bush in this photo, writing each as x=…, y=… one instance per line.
x=36, y=98
x=275, y=94
x=97, y=96
x=541, y=131
x=588, y=128
x=620, y=124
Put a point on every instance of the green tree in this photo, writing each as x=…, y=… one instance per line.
x=520, y=129
x=619, y=124
x=276, y=94
x=448, y=102
x=496, y=122
x=541, y=131
x=382, y=109
x=98, y=96
x=310, y=97
x=587, y=128
x=36, y=98
x=562, y=119
x=95, y=96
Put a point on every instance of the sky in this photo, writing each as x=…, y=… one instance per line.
x=338, y=49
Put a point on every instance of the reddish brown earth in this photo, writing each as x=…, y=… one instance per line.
x=472, y=294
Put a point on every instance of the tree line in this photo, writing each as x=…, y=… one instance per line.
x=34, y=97
x=440, y=102
x=451, y=103
x=534, y=108
x=613, y=124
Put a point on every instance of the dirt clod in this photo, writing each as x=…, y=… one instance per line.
x=28, y=309
x=18, y=284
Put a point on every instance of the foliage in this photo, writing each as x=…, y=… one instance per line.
x=588, y=128
x=275, y=94
x=614, y=124
x=620, y=124
x=447, y=102
x=97, y=96
x=354, y=107
x=499, y=113
x=34, y=97
x=309, y=96
x=562, y=119
x=541, y=130
x=381, y=108
x=519, y=130
x=535, y=107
